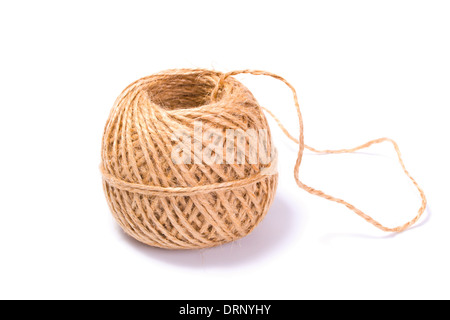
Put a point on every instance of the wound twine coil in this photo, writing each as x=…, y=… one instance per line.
x=174, y=205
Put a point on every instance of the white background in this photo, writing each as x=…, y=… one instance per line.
x=363, y=70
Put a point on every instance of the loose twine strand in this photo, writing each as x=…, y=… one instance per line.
x=302, y=146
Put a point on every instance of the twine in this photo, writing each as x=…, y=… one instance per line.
x=186, y=206
x=183, y=206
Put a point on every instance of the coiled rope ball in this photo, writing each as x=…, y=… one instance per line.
x=183, y=206
x=198, y=204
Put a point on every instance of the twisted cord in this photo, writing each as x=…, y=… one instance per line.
x=187, y=205
x=302, y=146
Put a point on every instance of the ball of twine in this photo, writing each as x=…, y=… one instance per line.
x=188, y=205
x=176, y=205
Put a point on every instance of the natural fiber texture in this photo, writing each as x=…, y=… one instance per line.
x=182, y=206
x=302, y=146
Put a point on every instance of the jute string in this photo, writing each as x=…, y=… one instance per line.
x=195, y=205
x=302, y=146
x=184, y=205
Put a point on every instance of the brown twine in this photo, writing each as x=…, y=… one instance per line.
x=184, y=206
